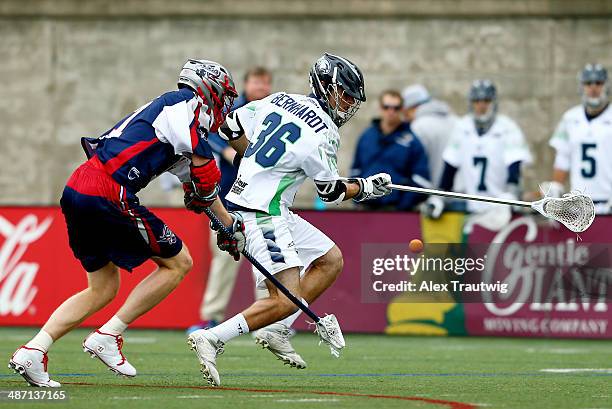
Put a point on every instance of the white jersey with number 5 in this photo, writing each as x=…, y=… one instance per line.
x=291, y=138
x=484, y=160
x=583, y=149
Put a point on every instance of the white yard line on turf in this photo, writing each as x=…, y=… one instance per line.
x=575, y=370
x=199, y=396
x=558, y=350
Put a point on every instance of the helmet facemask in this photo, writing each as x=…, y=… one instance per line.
x=342, y=106
x=485, y=120
x=595, y=103
x=221, y=105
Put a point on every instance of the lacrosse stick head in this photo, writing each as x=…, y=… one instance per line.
x=330, y=333
x=575, y=211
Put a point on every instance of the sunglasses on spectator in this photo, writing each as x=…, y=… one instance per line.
x=393, y=107
x=593, y=83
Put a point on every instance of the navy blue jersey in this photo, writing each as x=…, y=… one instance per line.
x=401, y=155
x=157, y=137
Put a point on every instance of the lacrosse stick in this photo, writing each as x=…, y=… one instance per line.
x=327, y=327
x=575, y=211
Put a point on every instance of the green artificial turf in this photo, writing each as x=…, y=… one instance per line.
x=375, y=371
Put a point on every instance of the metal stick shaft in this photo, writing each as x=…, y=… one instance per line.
x=460, y=195
x=217, y=223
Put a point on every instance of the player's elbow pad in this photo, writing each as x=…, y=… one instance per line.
x=332, y=191
x=231, y=128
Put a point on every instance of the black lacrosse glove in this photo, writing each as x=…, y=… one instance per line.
x=194, y=201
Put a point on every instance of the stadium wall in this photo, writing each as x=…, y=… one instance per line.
x=72, y=68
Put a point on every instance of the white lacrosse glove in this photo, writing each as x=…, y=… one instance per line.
x=372, y=187
x=433, y=207
x=330, y=333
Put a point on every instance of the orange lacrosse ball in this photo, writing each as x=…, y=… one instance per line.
x=415, y=245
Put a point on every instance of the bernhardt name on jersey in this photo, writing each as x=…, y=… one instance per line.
x=302, y=111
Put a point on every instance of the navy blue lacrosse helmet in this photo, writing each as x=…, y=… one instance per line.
x=337, y=82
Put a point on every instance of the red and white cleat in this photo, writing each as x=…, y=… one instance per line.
x=107, y=348
x=31, y=363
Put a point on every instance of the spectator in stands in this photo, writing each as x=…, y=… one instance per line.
x=389, y=146
x=432, y=122
x=223, y=269
x=414, y=96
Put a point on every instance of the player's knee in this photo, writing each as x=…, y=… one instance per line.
x=184, y=263
x=105, y=287
x=178, y=265
x=337, y=260
x=106, y=293
x=332, y=262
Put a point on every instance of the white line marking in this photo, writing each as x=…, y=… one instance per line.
x=574, y=370
x=561, y=351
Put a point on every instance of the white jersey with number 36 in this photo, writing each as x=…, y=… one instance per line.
x=291, y=138
x=484, y=160
x=583, y=149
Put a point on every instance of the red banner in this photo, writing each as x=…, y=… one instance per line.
x=38, y=271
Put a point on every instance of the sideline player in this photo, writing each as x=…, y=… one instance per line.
x=489, y=149
x=108, y=229
x=292, y=137
x=583, y=142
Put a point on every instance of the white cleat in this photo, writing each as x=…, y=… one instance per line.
x=275, y=338
x=107, y=348
x=31, y=364
x=207, y=347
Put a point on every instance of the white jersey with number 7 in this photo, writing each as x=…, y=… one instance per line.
x=290, y=138
x=484, y=159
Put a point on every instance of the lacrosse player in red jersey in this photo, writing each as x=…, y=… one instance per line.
x=108, y=229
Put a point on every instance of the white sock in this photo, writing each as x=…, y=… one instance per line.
x=291, y=319
x=41, y=341
x=114, y=326
x=231, y=328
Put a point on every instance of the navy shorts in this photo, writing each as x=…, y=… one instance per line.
x=107, y=224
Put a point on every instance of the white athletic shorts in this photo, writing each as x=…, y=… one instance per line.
x=282, y=242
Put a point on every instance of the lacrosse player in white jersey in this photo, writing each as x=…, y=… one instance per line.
x=488, y=147
x=291, y=138
x=583, y=142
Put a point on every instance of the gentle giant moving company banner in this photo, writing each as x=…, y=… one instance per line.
x=38, y=272
x=552, y=298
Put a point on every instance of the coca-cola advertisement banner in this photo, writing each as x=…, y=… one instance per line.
x=38, y=271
